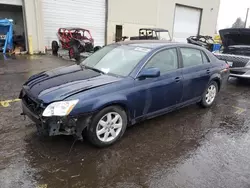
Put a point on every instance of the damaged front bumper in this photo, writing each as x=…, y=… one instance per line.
x=52, y=126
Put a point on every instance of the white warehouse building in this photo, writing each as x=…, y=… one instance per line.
x=38, y=20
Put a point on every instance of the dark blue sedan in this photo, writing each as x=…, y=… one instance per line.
x=120, y=85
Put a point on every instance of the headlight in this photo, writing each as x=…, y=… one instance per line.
x=62, y=108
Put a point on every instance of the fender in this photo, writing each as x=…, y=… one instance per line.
x=112, y=100
x=216, y=77
x=96, y=104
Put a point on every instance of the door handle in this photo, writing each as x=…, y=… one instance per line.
x=208, y=71
x=177, y=79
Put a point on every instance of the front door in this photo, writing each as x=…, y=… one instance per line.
x=159, y=94
x=196, y=73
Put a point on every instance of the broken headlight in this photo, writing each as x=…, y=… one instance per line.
x=62, y=108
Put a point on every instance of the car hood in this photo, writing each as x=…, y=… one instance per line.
x=58, y=84
x=235, y=36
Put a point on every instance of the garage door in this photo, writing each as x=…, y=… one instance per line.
x=78, y=13
x=11, y=2
x=186, y=23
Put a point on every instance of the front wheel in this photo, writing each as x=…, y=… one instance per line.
x=107, y=126
x=209, y=95
x=74, y=53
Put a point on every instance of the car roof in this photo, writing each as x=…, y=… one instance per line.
x=155, y=29
x=153, y=44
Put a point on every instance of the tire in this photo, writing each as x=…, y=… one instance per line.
x=74, y=53
x=208, y=99
x=81, y=49
x=95, y=126
x=97, y=48
x=55, y=47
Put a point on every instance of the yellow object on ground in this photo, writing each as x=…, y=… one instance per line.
x=42, y=186
x=6, y=103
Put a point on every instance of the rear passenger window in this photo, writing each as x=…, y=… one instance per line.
x=191, y=57
x=204, y=57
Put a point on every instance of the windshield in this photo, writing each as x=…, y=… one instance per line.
x=114, y=59
x=163, y=35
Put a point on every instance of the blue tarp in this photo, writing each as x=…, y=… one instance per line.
x=6, y=28
x=216, y=47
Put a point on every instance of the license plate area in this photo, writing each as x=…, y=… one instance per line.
x=230, y=63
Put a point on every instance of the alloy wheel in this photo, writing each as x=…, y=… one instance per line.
x=211, y=94
x=109, y=127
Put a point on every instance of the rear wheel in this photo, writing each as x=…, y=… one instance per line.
x=107, y=126
x=209, y=95
x=97, y=48
x=81, y=49
x=55, y=47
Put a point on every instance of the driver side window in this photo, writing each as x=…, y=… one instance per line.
x=165, y=60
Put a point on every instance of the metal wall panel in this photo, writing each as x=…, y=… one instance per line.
x=11, y=2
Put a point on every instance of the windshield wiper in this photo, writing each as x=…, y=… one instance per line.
x=94, y=69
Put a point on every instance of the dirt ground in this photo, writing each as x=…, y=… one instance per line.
x=191, y=148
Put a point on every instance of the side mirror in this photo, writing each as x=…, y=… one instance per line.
x=149, y=73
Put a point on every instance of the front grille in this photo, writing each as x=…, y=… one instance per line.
x=239, y=64
x=32, y=105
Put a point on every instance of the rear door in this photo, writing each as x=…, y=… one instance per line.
x=196, y=72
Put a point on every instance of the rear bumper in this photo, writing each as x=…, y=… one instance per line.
x=242, y=72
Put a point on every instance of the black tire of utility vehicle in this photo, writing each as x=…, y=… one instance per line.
x=97, y=48
x=55, y=47
x=203, y=102
x=74, y=53
x=90, y=132
x=81, y=49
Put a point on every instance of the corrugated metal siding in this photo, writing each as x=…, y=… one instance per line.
x=74, y=13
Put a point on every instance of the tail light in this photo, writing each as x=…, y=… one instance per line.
x=226, y=67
